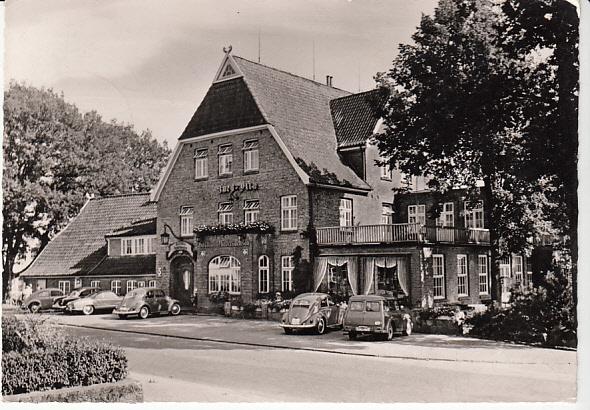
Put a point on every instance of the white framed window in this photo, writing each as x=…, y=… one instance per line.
x=224, y=275
x=263, y=274
x=64, y=286
x=131, y=284
x=438, y=275
x=483, y=273
x=385, y=171
x=225, y=158
x=141, y=284
x=529, y=271
x=417, y=214
x=462, y=276
x=474, y=217
x=251, y=211
x=289, y=213
x=152, y=284
x=78, y=282
x=201, y=163
x=186, y=220
x=116, y=286
x=518, y=269
x=287, y=265
x=251, y=161
x=447, y=215
x=345, y=212
x=137, y=245
x=225, y=212
x=386, y=214
x=95, y=284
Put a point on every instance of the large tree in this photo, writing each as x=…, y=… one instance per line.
x=460, y=105
x=55, y=158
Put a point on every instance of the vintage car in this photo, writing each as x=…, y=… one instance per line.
x=77, y=293
x=377, y=315
x=42, y=299
x=311, y=311
x=146, y=301
x=103, y=300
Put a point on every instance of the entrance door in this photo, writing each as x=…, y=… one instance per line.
x=182, y=269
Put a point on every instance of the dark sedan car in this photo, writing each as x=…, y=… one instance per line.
x=311, y=311
x=42, y=299
x=146, y=301
x=377, y=315
x=76, y=294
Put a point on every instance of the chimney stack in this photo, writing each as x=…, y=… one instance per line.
x=329, y=80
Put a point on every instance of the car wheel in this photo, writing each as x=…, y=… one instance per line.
x=352, y=335
x=288, y=331
x=390, y=331
x=321, y=326
x=144, y=312
x=34, y=307
x=88, y=310
x=407, y=327
x=122, y=316
x=175, y=309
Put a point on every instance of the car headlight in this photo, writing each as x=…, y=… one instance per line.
x=378, y=323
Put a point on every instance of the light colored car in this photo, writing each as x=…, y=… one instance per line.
x=42, y=299
x=103, y=300
x=377, y=315
x=77, y=293
x=311, y=311
x=147, y=301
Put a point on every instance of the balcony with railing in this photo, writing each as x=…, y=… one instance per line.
x=398, y=233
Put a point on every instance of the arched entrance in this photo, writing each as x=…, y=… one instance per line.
x=182, y=279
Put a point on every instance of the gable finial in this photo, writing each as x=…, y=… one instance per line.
x=227, y=50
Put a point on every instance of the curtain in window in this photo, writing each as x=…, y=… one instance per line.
x=321, y=267
x=386, y=262
x=369, y=273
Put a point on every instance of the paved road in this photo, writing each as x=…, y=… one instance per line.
x=215, y=359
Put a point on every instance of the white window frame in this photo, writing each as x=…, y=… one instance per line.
x=224, y=278
x=251, y=210
x=417, y=214
x=438, y=276
x=225, y=213
x=225, y=158
x=186, y=215
x=95, y=284
x=64, y=286
x=517, y=260
x=447, y=215
x=263, y=274
x=386, y=214
x=483, y=274
x=251, y=156
x=141, y=283
x=137, y=245
x=385, y=172
x=152, y=284
x=289, y=213
x=201, y=163
x=116, y=287
x=462, y=276
x=529, y=271
x=474, y=218
x=131, y=284
x=287, y=266
x=78, y=283
x=345, y=210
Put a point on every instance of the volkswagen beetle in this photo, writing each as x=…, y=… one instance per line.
x=311, y=311
x=377, y=315
x=146, y=301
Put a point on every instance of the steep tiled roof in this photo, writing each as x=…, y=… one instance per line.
x=136, y=228
x=299, y=109
x=81, y=245
x=126, y=265
x=355, y=116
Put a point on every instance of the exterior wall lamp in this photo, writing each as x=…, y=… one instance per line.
x=165, y=236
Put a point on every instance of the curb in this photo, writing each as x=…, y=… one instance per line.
x=309, y=349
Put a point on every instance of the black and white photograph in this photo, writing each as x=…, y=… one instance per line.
x=306, y=201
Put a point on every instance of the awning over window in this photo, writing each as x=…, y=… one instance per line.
x=200, y=153
x=251, y=144
x=186, y=210
x=248, y=205
x=225, y=207
x=225, y=149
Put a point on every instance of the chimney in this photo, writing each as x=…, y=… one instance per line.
x=329, y=80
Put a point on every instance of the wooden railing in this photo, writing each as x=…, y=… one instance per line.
x=374, y=234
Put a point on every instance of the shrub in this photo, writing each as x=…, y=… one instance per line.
x=30, y=332
x=249, y=310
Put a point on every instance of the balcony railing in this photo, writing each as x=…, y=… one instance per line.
x=375, y=234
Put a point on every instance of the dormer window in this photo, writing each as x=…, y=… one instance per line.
x=228, y=71
x=138, y=245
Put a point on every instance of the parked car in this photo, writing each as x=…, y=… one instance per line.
x=77, y=293
x=146, y=301
x=377, y=315
x=42, y=299
x=103, y=300
x=311, y=311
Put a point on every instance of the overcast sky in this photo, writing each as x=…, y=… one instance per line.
x=150, y=63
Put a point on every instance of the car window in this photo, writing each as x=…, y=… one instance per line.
x=84, y=293
x=301, y=303
x=149, y=294
x=357, y=306
x=56, y=293
x=373, y=306
x=160, y=294
x=324, y=303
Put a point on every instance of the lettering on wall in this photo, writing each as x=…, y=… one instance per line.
x=235, y=190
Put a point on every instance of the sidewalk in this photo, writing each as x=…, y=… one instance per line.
x=269, y=334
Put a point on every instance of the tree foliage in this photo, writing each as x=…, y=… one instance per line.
x=55, y=157
x=470, y=103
